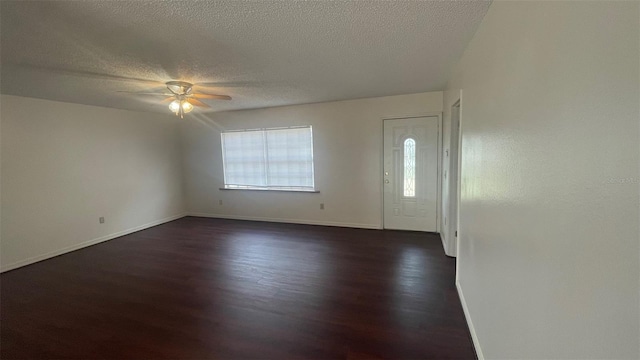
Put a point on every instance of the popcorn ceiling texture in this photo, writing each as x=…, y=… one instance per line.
x=262, y=53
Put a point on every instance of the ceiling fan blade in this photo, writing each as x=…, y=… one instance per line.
x=224, y=84
x=196, y=102
x=211, y=96
x=144, y=93
x=170, y=98
x=94, y=75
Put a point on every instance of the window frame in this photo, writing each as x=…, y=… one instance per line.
x=296, y=189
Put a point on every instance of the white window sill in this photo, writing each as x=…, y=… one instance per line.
x=273, y=190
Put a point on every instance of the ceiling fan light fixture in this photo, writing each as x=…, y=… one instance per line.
x=186, y=106
x=180, y=107
x=174, y=106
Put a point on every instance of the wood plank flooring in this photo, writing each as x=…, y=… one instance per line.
x=225, y=289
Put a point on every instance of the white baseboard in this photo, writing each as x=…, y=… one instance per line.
x=290, y=221
x=83, y=244
x=467, y=316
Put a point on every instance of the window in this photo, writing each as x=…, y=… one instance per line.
x=269, y=159
x=409, y=168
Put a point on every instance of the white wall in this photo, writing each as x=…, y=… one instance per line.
x=65, y=165
x=347, y=155
x=549, y=231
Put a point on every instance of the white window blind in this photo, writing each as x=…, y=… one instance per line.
x=269, y=159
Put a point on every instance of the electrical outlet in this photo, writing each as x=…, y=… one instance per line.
x=322, y=206
x=219, y=202
x=101, y=219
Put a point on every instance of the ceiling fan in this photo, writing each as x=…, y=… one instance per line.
x=182, y=98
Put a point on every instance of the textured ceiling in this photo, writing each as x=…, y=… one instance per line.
x=262, y=53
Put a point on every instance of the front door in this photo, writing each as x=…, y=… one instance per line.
x=411, y=173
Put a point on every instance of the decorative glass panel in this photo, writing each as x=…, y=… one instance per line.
x=409, y=168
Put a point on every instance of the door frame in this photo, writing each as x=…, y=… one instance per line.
x=453, y=181
x=459, y=188
x=438, y=155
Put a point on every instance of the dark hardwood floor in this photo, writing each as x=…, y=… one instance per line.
x=224, y=289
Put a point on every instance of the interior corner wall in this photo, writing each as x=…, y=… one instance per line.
x=549, y=214
x=347, y=139
x=65, y=165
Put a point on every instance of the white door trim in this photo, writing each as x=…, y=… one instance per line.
x=453, y=182
x=439, y=156
x=460, y=117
